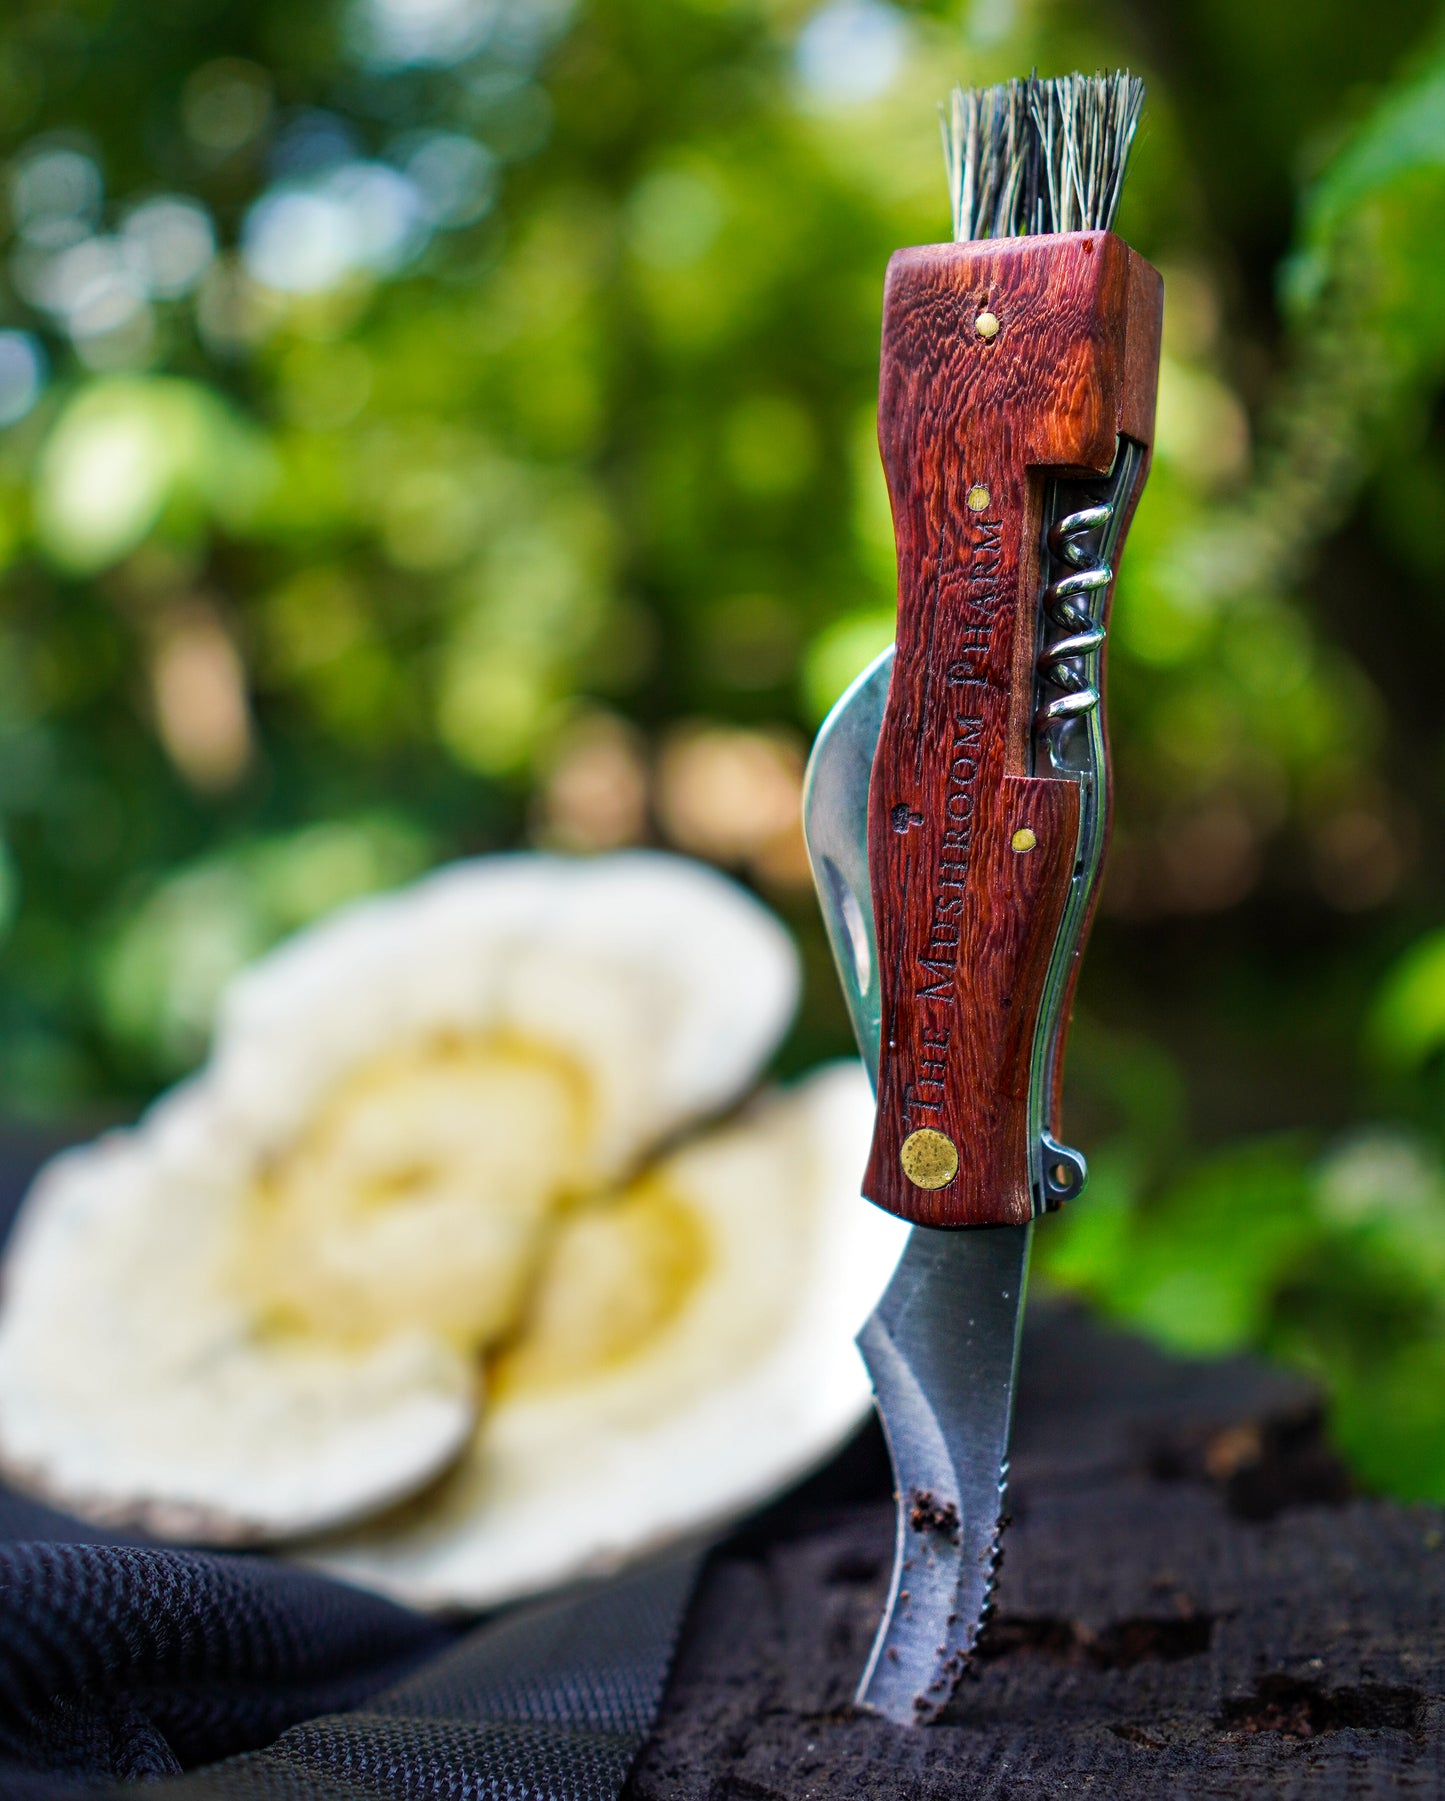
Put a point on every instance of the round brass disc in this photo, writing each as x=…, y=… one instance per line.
x=929, y=1158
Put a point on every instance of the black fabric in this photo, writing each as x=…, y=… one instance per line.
x=552, y=1702
x=120, y=1662
x=202, y=1675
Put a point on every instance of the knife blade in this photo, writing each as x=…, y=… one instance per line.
x=956, y=809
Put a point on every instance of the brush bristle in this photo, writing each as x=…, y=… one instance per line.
x=1039, y=156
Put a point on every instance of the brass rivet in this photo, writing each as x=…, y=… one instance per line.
x=977, y=498
x=986, y=324
x=1023, y=839
x=929, y=1158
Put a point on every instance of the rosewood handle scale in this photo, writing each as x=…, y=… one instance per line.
x=971, y=426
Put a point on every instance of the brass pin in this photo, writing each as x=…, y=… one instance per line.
x=986, y=324
x=929, y=1158
x=977, y=498
x=1023, y=839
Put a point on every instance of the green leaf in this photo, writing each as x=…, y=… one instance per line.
x=1402, y=138
x=1407, y=1024
x=1207, y=1257
x=129, y=450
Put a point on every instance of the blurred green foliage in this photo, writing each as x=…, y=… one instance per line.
x=433, y=423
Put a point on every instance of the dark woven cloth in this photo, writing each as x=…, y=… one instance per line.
x=550, y=1703
x=121, y=1662
x=241, y=1676
x=129, y=1664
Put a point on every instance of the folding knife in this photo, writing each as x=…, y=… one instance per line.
x=956, y=809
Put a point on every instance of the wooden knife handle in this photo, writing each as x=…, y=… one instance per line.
x=1004, y=362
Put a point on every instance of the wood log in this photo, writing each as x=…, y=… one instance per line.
x=1193, y=1603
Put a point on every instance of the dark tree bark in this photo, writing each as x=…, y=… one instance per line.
x=1193, y=1604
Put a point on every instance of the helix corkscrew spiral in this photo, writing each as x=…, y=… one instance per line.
x=1063, y=660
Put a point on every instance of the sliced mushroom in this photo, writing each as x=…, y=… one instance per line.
x=261, y=1312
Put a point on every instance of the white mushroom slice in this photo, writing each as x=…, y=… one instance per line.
x=137, y=1389
x=688, y=1351
x=260, y=1313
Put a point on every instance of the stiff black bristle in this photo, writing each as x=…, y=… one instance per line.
x=1039, y=156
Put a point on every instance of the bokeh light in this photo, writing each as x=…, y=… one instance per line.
x=851, y=50
x=172, y=240
x=226, y=104
x=454, y=176
x=55, y=195
x=359, y=218
x=394, y=33
x=22, y=374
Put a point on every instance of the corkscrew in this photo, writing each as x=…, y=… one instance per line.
x=1069, y=739
x=1074, y=602
x=1066, y=602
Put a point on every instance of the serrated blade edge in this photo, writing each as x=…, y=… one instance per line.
x=942, y=1350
